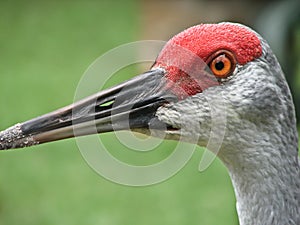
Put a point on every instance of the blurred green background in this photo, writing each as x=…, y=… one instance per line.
x=45, y=47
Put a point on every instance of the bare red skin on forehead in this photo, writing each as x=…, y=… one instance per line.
x=202, y=41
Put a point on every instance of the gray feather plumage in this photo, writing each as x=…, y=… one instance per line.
x=260, y=147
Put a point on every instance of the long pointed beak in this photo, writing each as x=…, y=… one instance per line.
x=130, y=105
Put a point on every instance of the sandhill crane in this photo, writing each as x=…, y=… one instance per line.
x=260, y=146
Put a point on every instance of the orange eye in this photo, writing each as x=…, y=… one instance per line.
x=222, y=65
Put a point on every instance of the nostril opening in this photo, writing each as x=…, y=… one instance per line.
x=106, y=105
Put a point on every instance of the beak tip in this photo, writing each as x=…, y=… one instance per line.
x=13, y=137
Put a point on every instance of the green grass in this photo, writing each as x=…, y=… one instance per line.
x=44, y=49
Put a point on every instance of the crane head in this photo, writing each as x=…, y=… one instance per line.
x=172, y=100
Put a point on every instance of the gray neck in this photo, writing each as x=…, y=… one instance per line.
x=267, y=186
x=262, y=149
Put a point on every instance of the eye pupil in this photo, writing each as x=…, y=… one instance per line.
x=219, y=65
